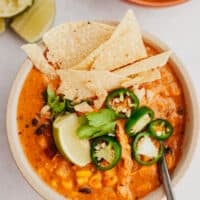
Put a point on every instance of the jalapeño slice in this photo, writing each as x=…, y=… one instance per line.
x=139, y=120
x=160, y=129
x=146, y=149
x=123, y=102
x=105, y=152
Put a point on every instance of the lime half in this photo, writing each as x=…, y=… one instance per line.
x=10, y=8
x=33, y=23
x=2, y=25
x=68, y=143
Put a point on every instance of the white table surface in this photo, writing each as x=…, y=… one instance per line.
x=178, y=26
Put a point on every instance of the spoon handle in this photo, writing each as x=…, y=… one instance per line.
x=166, y=179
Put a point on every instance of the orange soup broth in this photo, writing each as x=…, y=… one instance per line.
x=66, y=178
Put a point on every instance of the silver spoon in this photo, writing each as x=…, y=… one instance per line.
x=166, y=179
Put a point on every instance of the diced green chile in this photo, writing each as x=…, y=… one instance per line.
x=139, y=120
x=119, y=95
x=105, y=152
x=140, y=158
x=160, y=129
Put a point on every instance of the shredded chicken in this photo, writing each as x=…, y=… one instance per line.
x=123, y=187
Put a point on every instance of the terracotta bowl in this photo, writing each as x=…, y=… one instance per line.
x=158, y=3
x=191, y=130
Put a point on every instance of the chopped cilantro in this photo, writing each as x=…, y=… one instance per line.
x=96, y=124
x=101, y=117
x=89, y=132
x=57, y=103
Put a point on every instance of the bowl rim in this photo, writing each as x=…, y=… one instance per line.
x=25, y=167
x=157, y=4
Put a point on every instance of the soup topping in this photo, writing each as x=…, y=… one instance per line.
x=105, y=152
x=147, y=150
x=160, y=129
x=139, y=120
x=123, y=102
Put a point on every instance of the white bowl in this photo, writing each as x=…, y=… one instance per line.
x=191, y=129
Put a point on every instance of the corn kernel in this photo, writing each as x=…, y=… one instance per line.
x=61, y=172
x=41, y=172
x=83, y=173
x=42, y=142
x=67, y=184
x=54, y=183
x=95, y=181
x=82, y=180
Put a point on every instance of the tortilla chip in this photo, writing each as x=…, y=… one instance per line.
x=83, y=107
x=143, y=77
x=36, y=55
x=70, y=43
x=74, y=83
x=89, y=60
x=101, y=97
x=100, y=92
x=145, y=65
x=125, y=46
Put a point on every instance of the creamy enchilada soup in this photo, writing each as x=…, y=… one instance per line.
x=125, y=135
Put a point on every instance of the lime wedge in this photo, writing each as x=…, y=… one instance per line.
x=68, y=143
x=33, y=23
x=10, y=8
x=2, y=25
